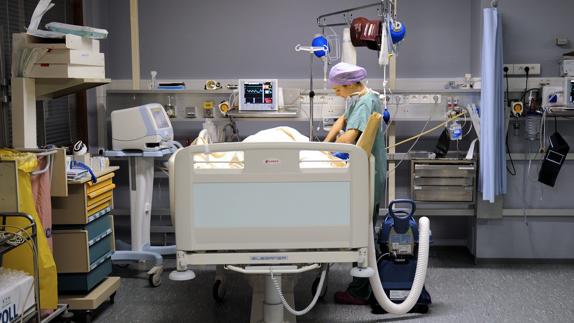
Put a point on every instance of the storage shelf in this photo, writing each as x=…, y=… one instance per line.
x=304, y=92
x=47, y=88
x=439, y=91
x=210, y=92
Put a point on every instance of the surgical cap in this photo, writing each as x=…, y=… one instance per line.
x=346, y=74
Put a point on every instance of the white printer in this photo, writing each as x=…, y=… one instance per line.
x=145, y=128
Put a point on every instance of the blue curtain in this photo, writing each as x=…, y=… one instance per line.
x=492, y=136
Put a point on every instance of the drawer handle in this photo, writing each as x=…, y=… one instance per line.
x=99, y=214
x=101, y=191
x=102, y=178
x=99, y=200
x=466, y=168
x=99, y=237
x=101, y=260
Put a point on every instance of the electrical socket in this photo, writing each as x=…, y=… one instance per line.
x=510, y=69
x=534, y=69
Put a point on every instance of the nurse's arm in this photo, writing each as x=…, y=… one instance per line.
x=349, y=137
x=337, y=126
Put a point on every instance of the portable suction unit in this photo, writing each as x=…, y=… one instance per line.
x=398, y=243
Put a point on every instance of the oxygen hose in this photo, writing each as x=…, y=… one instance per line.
x=419, y=280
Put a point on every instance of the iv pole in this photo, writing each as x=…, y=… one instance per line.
x=311, y=50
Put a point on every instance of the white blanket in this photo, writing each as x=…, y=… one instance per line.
x=234, y=159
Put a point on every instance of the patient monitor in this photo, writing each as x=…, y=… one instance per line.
x=258, y=95
x=145, y=128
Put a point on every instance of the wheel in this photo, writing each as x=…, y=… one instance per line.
x=420, y=308
x=88, y=317
x=218, y=291
x=113, y=298
x=154, y=279
x=316, y=284
x=67, y=314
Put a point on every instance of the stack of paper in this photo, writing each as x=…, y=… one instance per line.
x=75, y=174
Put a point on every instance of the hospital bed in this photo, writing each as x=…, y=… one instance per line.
x=272, y=211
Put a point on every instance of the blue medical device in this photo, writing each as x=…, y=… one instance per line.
x=397, y=31
x=398, y=243
x=320, y=41
x=386, y=115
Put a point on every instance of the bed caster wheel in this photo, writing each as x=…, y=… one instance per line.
x=154, y=276
x=113, y=298
x=154, y=279
x=316, y=284
x=88, y=317
x=218, y=291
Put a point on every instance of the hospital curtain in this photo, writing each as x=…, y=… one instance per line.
x=492, y=143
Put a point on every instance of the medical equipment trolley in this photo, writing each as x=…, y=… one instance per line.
x=84, y=242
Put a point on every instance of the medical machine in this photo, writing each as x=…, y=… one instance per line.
x=257, y=231
x=398, y=242
x=258, y=95
x=145, y=128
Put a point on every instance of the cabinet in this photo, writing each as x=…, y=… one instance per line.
x=443, y=181
x=84, y=234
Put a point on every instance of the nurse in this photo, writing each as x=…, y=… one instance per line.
x=346, y=79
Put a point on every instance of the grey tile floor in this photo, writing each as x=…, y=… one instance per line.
x=461, y=292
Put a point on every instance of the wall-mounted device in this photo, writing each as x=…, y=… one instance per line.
x=552, y=96
x=569, y=92
x=145, y=128
x=258, y=95
x=517, y=108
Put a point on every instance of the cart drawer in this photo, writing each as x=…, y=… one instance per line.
x=443, y=194
x=102, y=182
x=444, y=170
x=83, y=201
x=75, y=253
x=85, y=282
x=99, y=228
x=444, y=181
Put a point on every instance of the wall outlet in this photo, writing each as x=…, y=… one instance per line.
x=510, y=68
x=534, y=69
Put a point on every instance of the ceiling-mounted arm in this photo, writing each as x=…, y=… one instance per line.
x=321, y=20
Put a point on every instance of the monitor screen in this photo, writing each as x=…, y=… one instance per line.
x=159, y=118
x=258, y=95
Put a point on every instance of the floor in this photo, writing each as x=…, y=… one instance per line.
x=461, y=292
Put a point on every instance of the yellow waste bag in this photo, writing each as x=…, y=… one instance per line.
x=22, y=258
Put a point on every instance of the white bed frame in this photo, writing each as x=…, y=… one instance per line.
x=272, y=212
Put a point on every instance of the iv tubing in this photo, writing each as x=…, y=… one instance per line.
x=426, y=132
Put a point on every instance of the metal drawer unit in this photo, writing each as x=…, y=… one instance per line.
x=443, y=181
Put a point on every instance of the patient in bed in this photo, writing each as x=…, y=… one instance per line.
x=234, y=159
